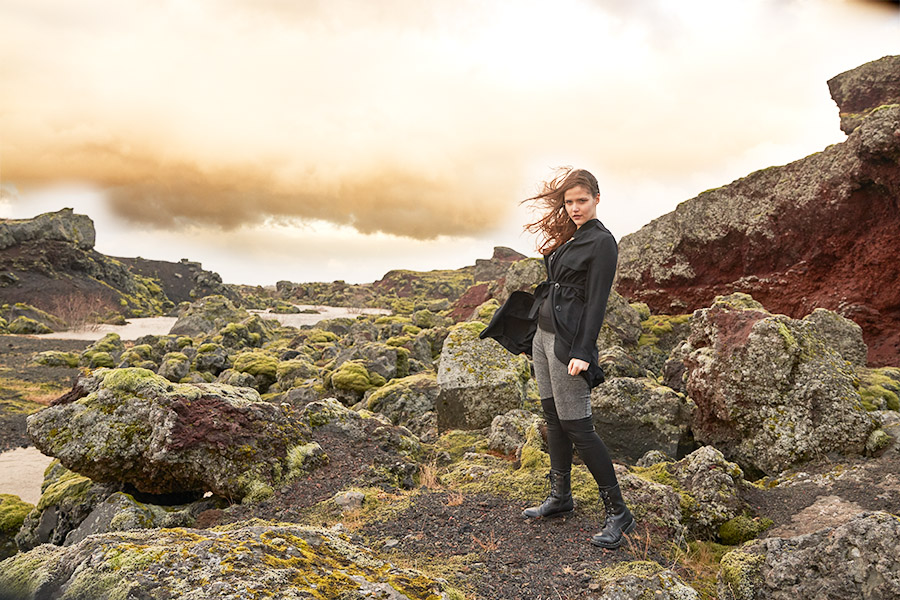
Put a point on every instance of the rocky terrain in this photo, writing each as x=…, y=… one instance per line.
x=49, y=263
x=816, y=233
x=390, y=456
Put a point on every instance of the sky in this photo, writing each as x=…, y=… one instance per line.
x=318, y=140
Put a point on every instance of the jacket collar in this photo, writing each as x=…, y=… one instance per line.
x=587, y=225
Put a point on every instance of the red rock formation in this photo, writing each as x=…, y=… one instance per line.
x=818, y=232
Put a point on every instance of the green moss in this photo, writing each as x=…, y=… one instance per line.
x=134, y=381
x=457, y=442
x=12, y=513
x=256, y=363
x=353, y=376
x=642, y=309
x=69, y=485
x=301, y=457
x=658, y=473
x=399, y=386
x=533, y=455
x=319, y=336
x=741, y=529
x=878, y=440
x=740, y=572
x=26, y=326
x=656, y=326
x=637, y=568
x=486, y=311
x=398, y=341
x=54, y=358
x=737, y=301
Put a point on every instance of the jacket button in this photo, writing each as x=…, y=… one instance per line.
x=556, y=285
x=557, y=307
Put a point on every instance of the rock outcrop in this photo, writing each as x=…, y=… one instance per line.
x=864, y=89
x=50, y=262
x=769, y=391
x=61, y=226
x=856, y=560
x=253, y=559
x=133, y=426
x=818, y=232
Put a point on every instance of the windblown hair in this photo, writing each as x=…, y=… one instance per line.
x=555, y=227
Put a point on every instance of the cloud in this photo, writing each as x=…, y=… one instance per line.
x=395, y=117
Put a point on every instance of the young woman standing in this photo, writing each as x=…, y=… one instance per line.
x=580, y=256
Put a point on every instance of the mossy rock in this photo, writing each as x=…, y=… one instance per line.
x=259, y=364
x=55, y=358
x=289, y=372
x=26, y=326
x=880, y=388
x=353, y=376
x=12, y=514
x=104, y=352
x=742, y=529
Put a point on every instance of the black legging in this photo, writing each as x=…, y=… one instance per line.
x=563, y=435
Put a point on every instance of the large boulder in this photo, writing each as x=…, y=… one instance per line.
x=245, y=560
x=62, y=226
x=208, y=315
x=708, y=487
x=479, y=379
x=636, y=415
x=818, y=232
x=133, y=426
x=769, y=391
x=856, y=560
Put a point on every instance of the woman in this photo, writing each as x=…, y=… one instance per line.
x=580, y=257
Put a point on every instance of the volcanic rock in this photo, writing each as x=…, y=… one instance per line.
x=208, y=315
x=636, y=415
x=856, y=560
x=860, y=91
x=479, y=379
x=243, y=560
x=132, y=426
x=61, y=226
x=769, y=391
x=818, y=232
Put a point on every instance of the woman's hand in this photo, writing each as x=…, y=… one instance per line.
x=576, y=366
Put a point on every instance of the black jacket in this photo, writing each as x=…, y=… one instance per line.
x=579, y=279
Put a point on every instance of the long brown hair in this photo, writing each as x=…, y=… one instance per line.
x=555, y=227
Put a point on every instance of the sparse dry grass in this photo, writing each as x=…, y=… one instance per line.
x=80, y=310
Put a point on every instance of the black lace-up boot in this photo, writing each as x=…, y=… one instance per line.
x=619, y=520
x=560, y=499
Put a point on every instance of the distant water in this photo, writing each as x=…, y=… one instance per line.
x=161, y=325
x=22, y=473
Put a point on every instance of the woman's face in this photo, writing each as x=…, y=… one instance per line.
x=580, y=205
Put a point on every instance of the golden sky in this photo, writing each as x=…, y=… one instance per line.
x=322, y=140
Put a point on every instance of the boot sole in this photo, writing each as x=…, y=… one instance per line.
x=550, y=516
x=628, y=529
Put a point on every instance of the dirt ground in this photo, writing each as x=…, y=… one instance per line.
x=480, y=543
